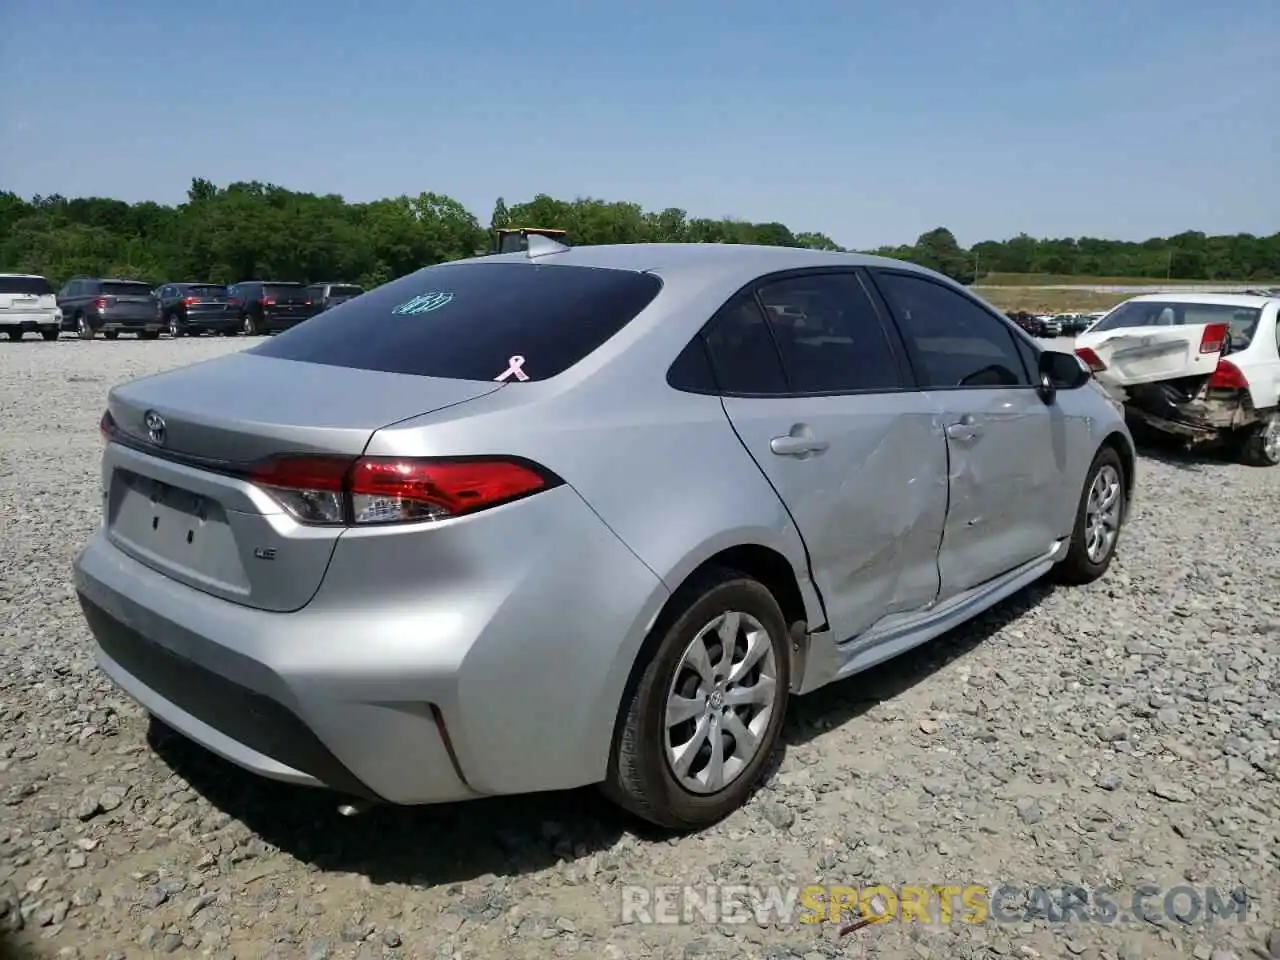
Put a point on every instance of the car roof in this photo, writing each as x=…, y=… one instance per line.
x=25, y=276
x=1220, y=299
x=721, y=266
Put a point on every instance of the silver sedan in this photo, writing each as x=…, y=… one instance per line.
x=583, y=516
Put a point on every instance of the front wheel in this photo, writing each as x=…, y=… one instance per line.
x=1260, y=444
x=698, y=724
x=1098, y=520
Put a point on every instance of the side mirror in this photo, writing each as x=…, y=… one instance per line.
x=1061, y=371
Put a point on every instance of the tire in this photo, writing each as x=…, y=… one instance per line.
x=642, y=776
x=50, y=334
x=111, y=334
x=83, y=330
x=14, y=335
x=1260, y=444
x=248, y=326
x=1083, y=565
x=175, y=328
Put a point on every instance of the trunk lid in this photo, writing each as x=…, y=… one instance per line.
x=174, y=506
x=1140, y=355
x=26, y=295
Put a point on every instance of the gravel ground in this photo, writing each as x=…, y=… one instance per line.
x=1115, y=735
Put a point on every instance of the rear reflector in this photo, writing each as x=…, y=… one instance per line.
x=379, y=490
x=1214, y=337
x=1227, y=377
x=1091, y=359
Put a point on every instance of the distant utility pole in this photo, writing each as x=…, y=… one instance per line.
x=1168, y=269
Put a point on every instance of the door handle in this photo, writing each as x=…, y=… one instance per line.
x=967, y=429
x=792, y=446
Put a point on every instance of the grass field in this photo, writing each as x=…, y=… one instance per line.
x=1055, y=279
x=1048, y=301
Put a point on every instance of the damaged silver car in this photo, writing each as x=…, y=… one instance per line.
x=1201, y=367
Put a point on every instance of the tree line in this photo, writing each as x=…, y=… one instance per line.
x=260, y=230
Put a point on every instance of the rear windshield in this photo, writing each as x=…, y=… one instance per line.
x=206, y=290
x=336, y=291
x=474, y=321
x=284, y=290
x=1162, y=313
x=124, y=289
x=26, y=286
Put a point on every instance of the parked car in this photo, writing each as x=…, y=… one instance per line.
x=1201, y=367
x=495, y=528
x=269, y=306
x=197, y=308
x=327, y=295
x=1028, y=322
x=1050, y=327
x=28, y=305
x=109, y=306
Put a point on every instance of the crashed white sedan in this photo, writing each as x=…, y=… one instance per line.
x=1204, y=367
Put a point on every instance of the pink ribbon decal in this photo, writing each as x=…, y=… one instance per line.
x=514, y=370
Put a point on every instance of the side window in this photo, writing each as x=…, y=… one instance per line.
x=829, y=335
x=1030, y=356
x=743, y=356
x=691, y=371
x=959, y=343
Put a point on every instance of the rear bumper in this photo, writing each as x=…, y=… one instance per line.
x=402, y=680
x=218, y=321
x=30, y=322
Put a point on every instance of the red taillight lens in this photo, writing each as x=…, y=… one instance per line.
x=1091, y=359
x=1227, y=377
x=190, y=301
x=105, y=425
x=234, y=301
x=1214, y=337
x=267, y=301
x=100, y=303
x=377, y=490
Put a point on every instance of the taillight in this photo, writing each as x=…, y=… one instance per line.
x=100, y=303
x=105, y=425
x=190, y=301
x=267, y=301
x=378, y=490
x=1214, y=337
x=1227, y=376
x=234, y=301
x=1091, y=359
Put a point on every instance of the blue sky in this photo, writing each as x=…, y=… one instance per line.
x=868, y=122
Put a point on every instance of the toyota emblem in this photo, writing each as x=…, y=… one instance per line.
x=155, y=427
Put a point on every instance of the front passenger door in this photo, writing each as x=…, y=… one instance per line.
x=817, y=388
x=1009, y=469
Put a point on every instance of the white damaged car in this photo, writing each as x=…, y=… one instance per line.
x=1204, y=367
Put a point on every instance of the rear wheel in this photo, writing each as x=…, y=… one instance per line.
x=83, y=330
x=1260, y=444
x=248, y=326
x=1098, y=520
x=175, y=328
x=111, y=334
x=698, y=724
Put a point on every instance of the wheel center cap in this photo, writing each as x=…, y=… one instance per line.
x=716, y=700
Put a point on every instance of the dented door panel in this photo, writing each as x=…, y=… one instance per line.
x=1010, y=480
x=870, y=505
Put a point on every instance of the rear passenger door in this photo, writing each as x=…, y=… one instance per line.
x=1009, y=473
x=816, y=385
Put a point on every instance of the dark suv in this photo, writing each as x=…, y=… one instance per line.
x=90, y=305
x=264, y=306
x=326, y=295
x=196, y=307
